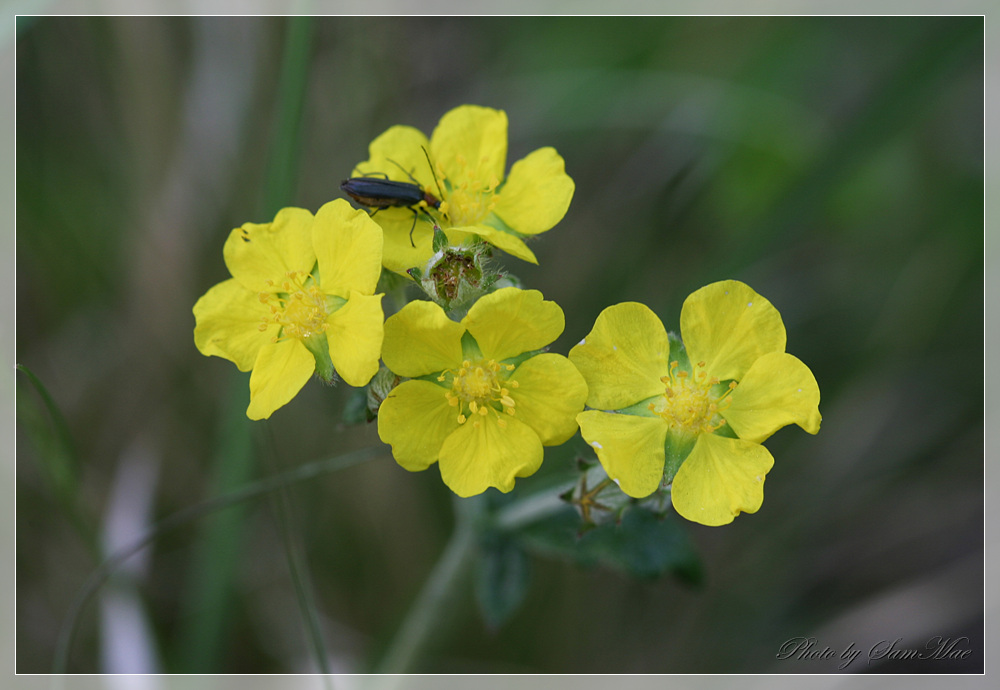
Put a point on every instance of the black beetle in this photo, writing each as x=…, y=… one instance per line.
x=379, y=193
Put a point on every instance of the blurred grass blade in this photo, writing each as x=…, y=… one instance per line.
x=57, y=455
x=299, y=571
x=206, y=609
x=285, y=148
x=186, y=516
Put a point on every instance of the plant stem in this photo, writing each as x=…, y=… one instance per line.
x=432, y=601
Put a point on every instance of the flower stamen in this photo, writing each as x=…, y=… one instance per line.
x=299, y=310
x=688, y=402
x=480, y=388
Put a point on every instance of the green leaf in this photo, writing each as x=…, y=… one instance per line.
x=642, y=544
x=503, y=574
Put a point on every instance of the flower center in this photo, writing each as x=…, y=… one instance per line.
x=479, y=388
x=472, y=200
x=688, y=403
x=299, y=309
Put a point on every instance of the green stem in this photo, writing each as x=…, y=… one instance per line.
x=432, y=601
x=186, y=516
x=532, y=508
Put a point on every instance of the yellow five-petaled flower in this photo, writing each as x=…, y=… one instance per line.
x=481, y=400
x=468, y=150
x=715, y=398
x=301, y=300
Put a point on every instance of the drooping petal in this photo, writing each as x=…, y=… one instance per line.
x=511, y=321
x=778, y=390
x=227, y=320
x=348, y=248
x=354, y=336
x=480, y=454
x=260, y=252
x=397, y=151
x=509, y=243
x=415, y=419
x=470, y=144
x=623, y=357
x=420, y=339
x=728, y=326
x=629, y=447
x=721, y=478
x=537, y=193
x=279, y=373
x=549, y=395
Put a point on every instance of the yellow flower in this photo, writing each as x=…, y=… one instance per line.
x=482, y=401
x=300, y=301
x=469, y=152
x=715, y=398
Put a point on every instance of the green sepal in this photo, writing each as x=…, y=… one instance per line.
x=440, y=240
x=678, y=353
x=378, y=389
x=675, y=451
x=320, y=349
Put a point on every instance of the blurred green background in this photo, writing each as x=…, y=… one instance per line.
x=834, y=164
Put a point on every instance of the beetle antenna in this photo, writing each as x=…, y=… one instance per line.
x=405, y=171
x=433, y=172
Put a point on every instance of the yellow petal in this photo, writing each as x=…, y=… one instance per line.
x=721, y=478
x=777, y=390
x=514, y=246
x=258, y=253
x=728, y=326
x=479, y=454
x=415, y=419
x=398, y=255
x=623, y=357
x=629, y=447
x=397, y=151
x=420, y=339
x=511, y=321
x=348, y=248
x=537, y=193
x=226, y=324
x=550, y=394
x=279, y=373
x=354, y=336
x=470, y=144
